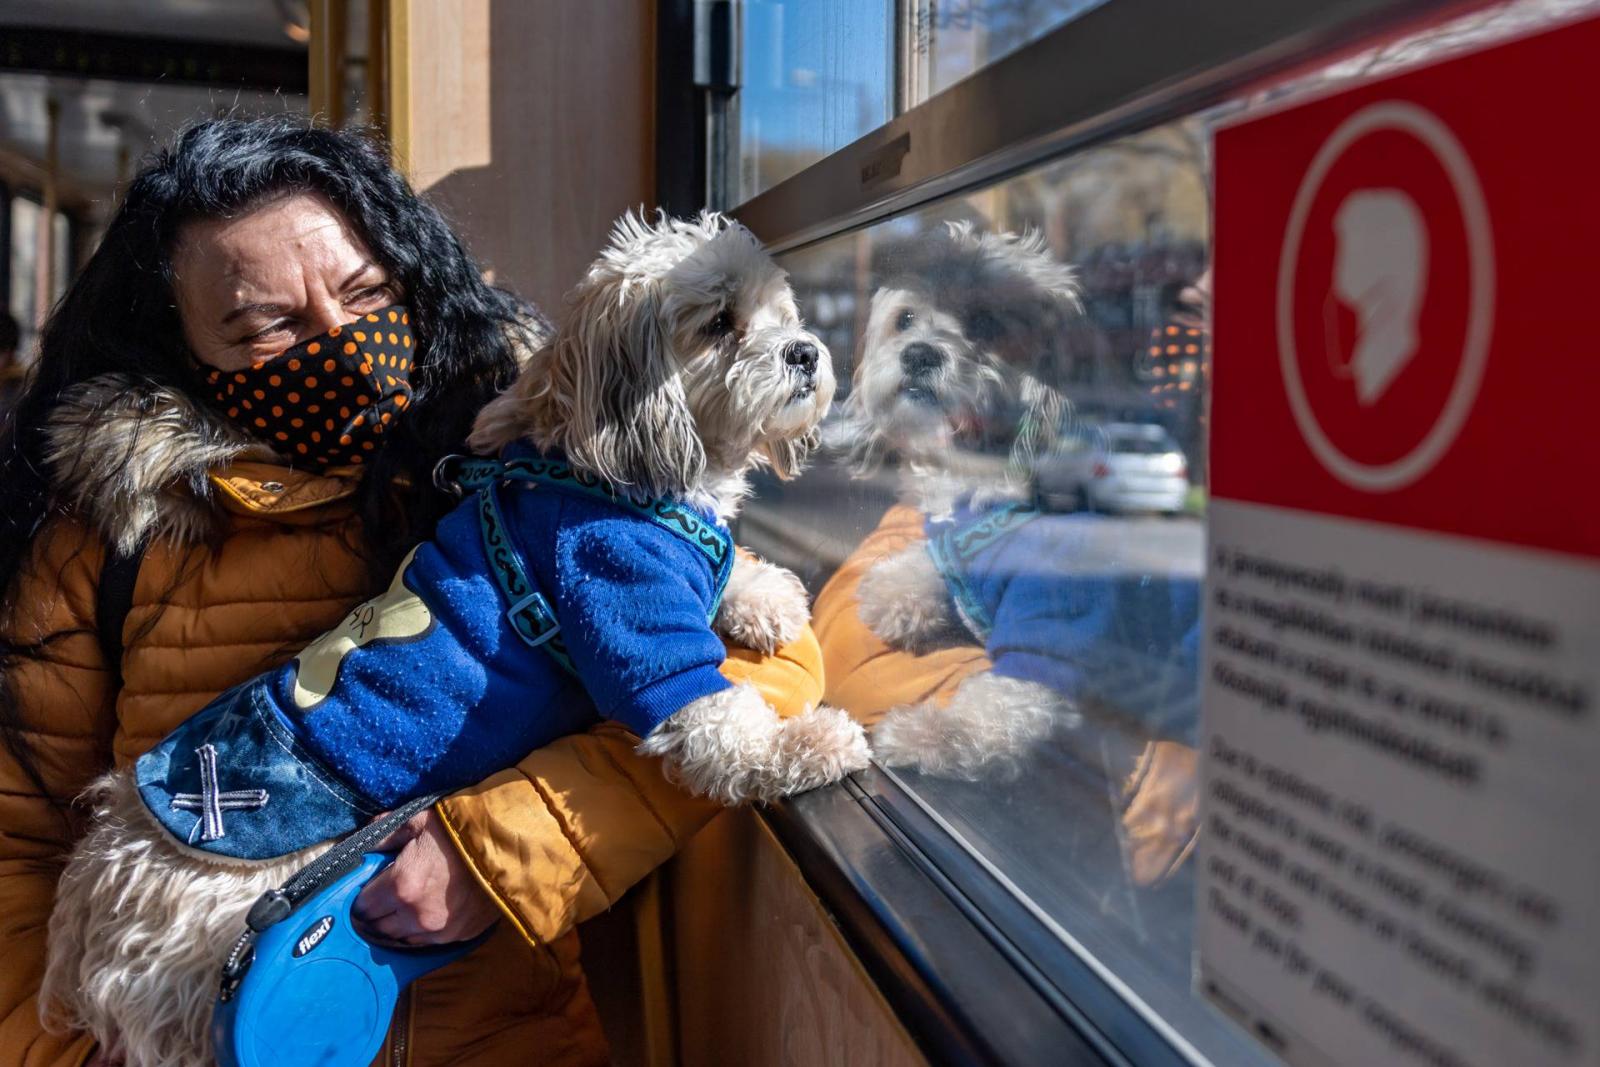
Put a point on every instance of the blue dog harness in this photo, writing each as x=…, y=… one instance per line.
x=529, y=612
x=546, y=600
x=1122, y=637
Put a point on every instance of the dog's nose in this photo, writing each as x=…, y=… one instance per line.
x=920, y=358
x=801, y=354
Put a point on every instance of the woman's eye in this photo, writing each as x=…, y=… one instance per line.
x=720, y=326
x=904, y=320
x=375, y=294
x=266, y=333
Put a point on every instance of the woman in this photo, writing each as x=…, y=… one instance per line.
x=240, y=242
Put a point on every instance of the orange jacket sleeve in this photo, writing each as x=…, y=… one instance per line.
x=865, y=676
x=65, y=701
x=563, y=835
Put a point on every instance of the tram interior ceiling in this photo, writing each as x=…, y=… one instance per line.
x=89, y=87
x=1181, y=761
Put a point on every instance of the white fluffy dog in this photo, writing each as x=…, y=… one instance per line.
x=681, y=365
x=958, y=379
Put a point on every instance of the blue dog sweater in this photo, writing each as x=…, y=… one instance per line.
x=428, y=687
x=1128, y=639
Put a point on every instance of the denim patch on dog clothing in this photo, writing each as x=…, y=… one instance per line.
x=234, y=780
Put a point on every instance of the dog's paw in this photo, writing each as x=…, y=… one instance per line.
x=904, y=601
x=816, y=749
x=732, y=747
x=986, y=729
x=764, y=606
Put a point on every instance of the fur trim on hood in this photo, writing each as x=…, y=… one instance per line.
x=131, y=457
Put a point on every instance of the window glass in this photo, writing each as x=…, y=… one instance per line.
x=951, y=39
x=1004, y=537
x=60, y=255
x=1003, y=531
x=24, y=253
x=26, y=216
x=816, y=75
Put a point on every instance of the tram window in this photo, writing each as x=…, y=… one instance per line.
x=24, y=244
x=1031, y=357
x=1003, y=530
x=951, y=39
x=22, y=300
x=816, y=76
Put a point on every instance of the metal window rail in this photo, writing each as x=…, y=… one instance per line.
x=1118, y=68
x=952, y=963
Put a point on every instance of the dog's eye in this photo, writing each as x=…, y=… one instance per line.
x=720, y=326
x=904, y=320
x=982, y=326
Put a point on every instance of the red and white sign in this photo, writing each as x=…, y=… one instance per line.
x=1402, y=850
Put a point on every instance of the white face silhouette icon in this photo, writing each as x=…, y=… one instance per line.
x=1381, y=271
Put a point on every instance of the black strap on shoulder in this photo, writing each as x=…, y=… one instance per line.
x=114, y=599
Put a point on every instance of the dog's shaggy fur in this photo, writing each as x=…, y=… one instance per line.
x=677, y=371
x=959, y=379
x=989, y=724
x=962, y=363
x=144, y=985
x=682, y=364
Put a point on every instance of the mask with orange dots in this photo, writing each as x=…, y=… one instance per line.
x=328, y=401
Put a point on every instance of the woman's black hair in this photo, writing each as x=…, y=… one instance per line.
x=120, y=316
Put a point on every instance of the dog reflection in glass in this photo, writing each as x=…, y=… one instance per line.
x=959, y=382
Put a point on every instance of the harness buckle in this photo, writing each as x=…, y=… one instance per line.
x=522, y=605
x=442, y=480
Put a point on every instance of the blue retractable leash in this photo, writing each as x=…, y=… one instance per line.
x=301, y=985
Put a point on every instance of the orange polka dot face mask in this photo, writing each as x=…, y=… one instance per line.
x=328, y=401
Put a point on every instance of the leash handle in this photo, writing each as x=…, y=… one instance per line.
x=275, y=905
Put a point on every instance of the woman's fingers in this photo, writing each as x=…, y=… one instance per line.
x=379, y=899
x=426, y=896
x=405, y=832
x=380, y=912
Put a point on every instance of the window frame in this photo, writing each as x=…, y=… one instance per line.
x=974, y=975
x=1063, y=92
x=973, y=971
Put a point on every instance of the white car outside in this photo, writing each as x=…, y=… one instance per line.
x=1116, y=467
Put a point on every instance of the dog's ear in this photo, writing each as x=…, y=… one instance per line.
x=1055, y=323
x=521, y=411
x=1039, y=429
x=627, y=418
x=789, y=456
x=866, y=446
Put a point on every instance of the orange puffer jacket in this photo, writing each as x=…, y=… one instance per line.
x=249, y=561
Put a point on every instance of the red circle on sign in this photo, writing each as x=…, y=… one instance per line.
x=1405, y=318
x=1384, y=296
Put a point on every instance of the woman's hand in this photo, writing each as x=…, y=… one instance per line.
x=427, y=896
